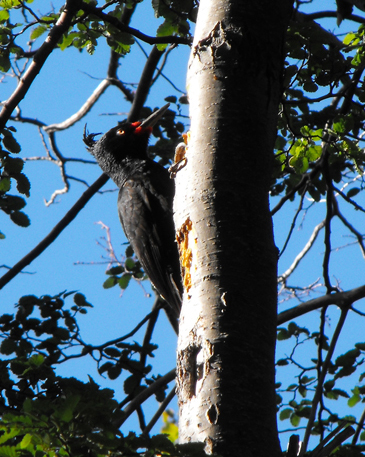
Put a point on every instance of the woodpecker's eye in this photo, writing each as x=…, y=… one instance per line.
x=121, y=132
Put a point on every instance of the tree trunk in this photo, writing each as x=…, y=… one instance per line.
x=225, y=361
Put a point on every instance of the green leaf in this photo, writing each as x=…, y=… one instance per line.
x=110, y=282
x=67, y=40
x=170, y=428
x=115, y=270
x=130, y=384
x=4, y=15
x=295, y=420
x=354, y=400
x=37, y=32
x=80, y=300
x=8, y=346
x=283, y=334
x=129, y=251
x=26, y=441
x=13, y=166
x=112, y=352
x=36, y=360
x=300, y=164
x=310, y=86
x=10, y=143
x=349, y=37
x=129, y=263
x=348, y=358
x=351, y=193
x=282, y=362
x=4, y=61
x=20, y=218
x=5, y=184
x=114, y=371
x=171, y=99
x=285, y=413
x=124, y=280
x=22, y=184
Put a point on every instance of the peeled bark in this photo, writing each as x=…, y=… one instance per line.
x=225, y=362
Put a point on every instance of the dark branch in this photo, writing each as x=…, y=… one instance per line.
x=53, y=234
x=88, y=8
x=340, y=299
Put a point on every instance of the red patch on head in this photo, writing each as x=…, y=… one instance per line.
x=141, y=130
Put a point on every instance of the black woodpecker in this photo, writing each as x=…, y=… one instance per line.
x=145, y=199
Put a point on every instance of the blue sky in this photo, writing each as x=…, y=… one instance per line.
x=76, y=261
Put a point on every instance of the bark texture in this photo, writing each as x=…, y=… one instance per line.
x=225, y=364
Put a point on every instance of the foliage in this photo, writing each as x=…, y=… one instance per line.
x=319, y=163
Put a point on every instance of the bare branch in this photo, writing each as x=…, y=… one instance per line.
x=301, y=255
x=53, y=234
x=86, y=107
x=294, y=221
x=340, y=299
x=145, y=83
x=359, y=428
x=159, y=412
x=348, y=199
x=321, y=379
x=323, y=449
x=147, y=393
x=352, y=229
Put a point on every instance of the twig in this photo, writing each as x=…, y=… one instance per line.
x=159, y=412
x=86, y=107
x=352, y=229
x=300, y=207
x=145, y=82
x=146, y=393
x=339, y=439
x=348, y=199
x=328, y=438
x=321, y=379
x=300, y=256
x=359, y=428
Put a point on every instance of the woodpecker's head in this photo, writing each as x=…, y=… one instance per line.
x=128, y=140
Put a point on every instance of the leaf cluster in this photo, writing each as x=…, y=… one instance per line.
x=318, y=63
x=11, y=169
x=301, y=392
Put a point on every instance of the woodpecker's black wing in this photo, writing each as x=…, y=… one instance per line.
x=145, y=211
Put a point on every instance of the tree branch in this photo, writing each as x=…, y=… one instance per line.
x=300, y=256
x=321, y=378
x=159, y=412
x=88, y=8
x=61, y=26
x=53, y=234
x=86, y=107
x=151, y=390
x=340, y=299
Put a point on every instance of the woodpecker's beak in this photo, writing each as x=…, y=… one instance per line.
x=151, y=120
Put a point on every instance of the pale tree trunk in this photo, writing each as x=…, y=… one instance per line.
x=225, y=364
